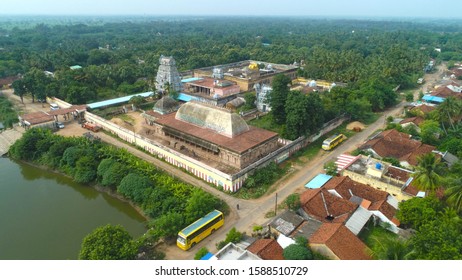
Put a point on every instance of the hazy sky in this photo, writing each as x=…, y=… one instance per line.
x=347, y=8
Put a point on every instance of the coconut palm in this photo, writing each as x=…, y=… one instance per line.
x=427, y=175
x=454, y=193
x=450, y=108
x=392, y=249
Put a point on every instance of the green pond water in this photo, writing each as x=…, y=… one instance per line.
x=45, y=216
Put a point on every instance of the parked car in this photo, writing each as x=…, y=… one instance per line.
x=54, y=106
x=60, y=125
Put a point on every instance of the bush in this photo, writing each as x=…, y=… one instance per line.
x=293, y=201
x=202, y=252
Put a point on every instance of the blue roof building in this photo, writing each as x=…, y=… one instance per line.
x=318, y=181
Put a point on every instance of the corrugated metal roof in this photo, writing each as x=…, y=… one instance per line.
x=115, y=101
x=431, y=98
x=318, y=181
x=358, y=219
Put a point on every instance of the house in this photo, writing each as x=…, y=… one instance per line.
x=382, y=176
x=333, y=240
x=337, y=242
x=233, y=252
x=412, y=122
x=267, y=249
x=398, y=145
x=422, y=109
x=351, y=203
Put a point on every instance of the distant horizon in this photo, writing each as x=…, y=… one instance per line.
x=350, y=17
x=445, y=9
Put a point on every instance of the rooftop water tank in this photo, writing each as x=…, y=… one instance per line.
x=378, y=165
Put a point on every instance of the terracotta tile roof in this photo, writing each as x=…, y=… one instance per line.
x=37, y=118
x=415, y=120
x=341, y=241
x=239, y=143
x=346, y=187
x=392, y=143
x=314, y=203
x=372, y=198
x=424, y=108
x=267, y=249
x=398, y=173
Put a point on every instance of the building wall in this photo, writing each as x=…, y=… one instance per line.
x=247, y=84
x=224, y=156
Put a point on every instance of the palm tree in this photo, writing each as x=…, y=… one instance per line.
x=392, y=249
x=454, y=193
x=450, y=108
x=427, y=176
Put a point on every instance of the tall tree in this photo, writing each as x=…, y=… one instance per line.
x=108, y=243
x=278, y=96
x=450, y=108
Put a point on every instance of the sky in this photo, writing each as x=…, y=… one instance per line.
x=335, y=8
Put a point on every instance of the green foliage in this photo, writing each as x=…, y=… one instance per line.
x=409, y=96
x=430, y=132
x=417, y=211
x=233, y=236
x=199, y=204
x=258, y=183
x=108, y=243
x=297, y=252
x=293, y=201
x=304, y=114
x=250, y=99
x=85, y=171
x=32, y=145
x=202, y=252
x=114, y=175
x=427, y=175
x=8, y=116
x=278, y=97
x=134, y=186
x=331, y=168
x=168, y=225
x=438, y=239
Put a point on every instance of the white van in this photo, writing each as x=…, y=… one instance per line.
x=54, y=106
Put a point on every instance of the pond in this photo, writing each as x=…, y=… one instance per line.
x=45, y=215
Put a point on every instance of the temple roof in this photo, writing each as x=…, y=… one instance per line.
x=219, y=120
x=166, y=105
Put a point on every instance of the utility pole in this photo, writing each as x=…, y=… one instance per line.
x=276, y=205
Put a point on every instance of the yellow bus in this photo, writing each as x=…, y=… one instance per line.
x=333, y=141
x=200, y=229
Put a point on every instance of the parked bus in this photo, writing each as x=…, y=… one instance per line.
x=200, y=229
x=333, y=141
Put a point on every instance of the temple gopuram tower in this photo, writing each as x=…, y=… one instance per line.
x=168, y=77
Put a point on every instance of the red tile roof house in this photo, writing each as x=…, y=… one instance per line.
x=345, y=201
x=336, y=242
x=399, y=145
x=267, y=249
x=415, y=122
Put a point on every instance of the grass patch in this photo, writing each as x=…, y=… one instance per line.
x=373, y=236
x=127, y=118
x=267, y=122
x=371, y=118
x=257, y=184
